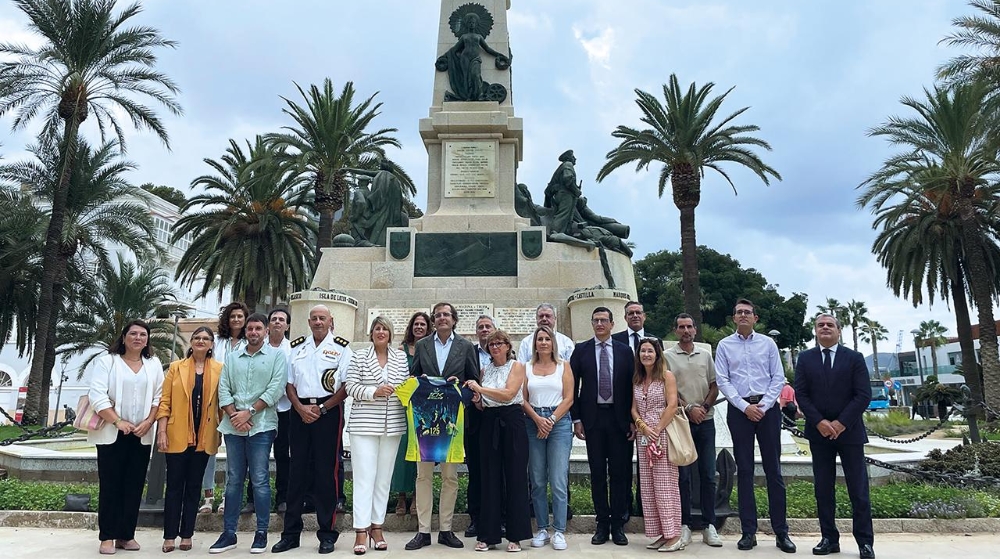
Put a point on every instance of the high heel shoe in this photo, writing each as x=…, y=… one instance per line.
x=361, y=548
x=377, y=540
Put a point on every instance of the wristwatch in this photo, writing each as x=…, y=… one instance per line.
x=322, y=409
x=253, y=411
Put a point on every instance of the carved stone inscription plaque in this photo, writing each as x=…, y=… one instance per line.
x=398, y=317
x=516, y=320
x=468, y=313
x=470, y=169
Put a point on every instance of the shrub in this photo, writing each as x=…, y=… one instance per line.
x=964, y=459
x=27, y=495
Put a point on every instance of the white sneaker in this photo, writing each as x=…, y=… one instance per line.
x=541, y=538
x=685, y=536
x=558, y=541
x=711, y=537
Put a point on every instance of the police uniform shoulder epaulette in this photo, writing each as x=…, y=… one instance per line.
x=341, y=341
x=298, y=341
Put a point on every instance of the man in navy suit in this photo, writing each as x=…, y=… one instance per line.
x=833, y=391
x=602, y=371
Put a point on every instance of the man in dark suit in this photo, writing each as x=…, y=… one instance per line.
x=635, y=317
x=833, y=391
x=602, y=371
x=452, y=357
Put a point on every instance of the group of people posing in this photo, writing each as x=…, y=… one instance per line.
x=439, y=399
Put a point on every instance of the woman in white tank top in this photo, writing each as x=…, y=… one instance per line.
x=548, y=396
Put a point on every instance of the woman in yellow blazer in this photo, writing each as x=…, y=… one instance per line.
x=187, y=432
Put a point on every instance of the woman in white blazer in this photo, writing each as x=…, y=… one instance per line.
x=377, y=422
x=125, y=388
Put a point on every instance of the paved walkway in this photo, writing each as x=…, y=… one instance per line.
x=41, y=542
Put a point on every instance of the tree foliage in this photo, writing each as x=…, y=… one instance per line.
x=723, y=281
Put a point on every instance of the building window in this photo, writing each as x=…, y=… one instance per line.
x=162, y=230
x=5, y=380
x=955, y=358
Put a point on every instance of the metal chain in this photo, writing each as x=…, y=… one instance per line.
x=907, y=441
x=11, y=419
x=940, y=477
x=29, y=434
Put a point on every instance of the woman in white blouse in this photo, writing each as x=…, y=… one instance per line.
x=377, y=422
x=125, y=388
x=548, y=396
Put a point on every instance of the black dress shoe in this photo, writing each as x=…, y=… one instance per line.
x=418, y=541
x=450, y=539
x=284, y=544
x=326, y=546
x=247, y=508
x=471, y=531
x=601, y=535
x=784, y=543
x=618, y=536
x=826, y=547
x=748, y=541
x=867, y=552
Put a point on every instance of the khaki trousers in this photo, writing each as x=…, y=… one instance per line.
x=425, y=495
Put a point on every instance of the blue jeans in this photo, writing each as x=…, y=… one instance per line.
x=248, y=453
x=548, y=466
x=704, y=441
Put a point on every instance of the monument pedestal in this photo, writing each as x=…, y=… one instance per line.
x=470, y=248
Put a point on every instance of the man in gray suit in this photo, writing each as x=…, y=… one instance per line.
x=453, y=358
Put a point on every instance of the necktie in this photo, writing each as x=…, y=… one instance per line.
x=827, y=367
x=604, y=374
x=635, y=341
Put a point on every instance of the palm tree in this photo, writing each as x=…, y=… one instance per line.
x=93, y=62
x=122, y=292
x=330, y=136
x=951, y=149
x=932, y=334
x=834, y=308
x=22, y=229
x=981, y=33
x=687, y=139
x=252, y=233
x=872, y=332
x=857, y=314
x=920, y=245
x=102, y=209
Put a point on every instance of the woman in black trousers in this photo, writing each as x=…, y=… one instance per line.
x=503, y=446
x=125, y=388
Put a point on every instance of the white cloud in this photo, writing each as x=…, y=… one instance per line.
x=597, y=46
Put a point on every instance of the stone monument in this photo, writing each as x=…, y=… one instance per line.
x=471, y=247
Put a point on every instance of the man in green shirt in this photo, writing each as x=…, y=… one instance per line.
x=252, y=381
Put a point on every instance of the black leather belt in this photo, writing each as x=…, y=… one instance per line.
x=605, y=406
x=312, y=401
x=753, y=399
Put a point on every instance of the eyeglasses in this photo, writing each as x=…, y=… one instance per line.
x=742, y=312
x=202, y=339
x=634, y=313
x=442, y=314
x=600, y=321
x=497, y=344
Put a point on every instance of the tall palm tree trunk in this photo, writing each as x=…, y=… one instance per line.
x=963, y=325
x=854, y=331
x=934, y=359
x=687, y=195
x=878, y=373
x=36, y=405
x=983, y=289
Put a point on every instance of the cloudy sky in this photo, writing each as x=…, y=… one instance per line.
x=817, y=75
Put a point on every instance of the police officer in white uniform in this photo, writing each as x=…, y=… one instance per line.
x=316, y=390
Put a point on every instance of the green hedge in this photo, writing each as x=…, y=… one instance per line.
x=895, y=500
x=31, y=495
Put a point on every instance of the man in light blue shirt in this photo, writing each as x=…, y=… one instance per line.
x=252, y=381
x=749, y=374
